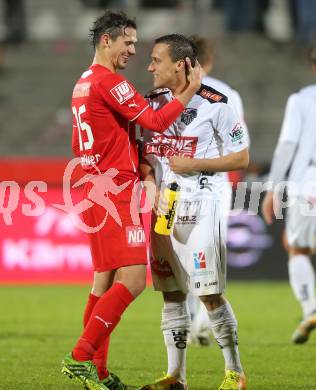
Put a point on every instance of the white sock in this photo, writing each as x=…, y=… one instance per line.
x=200, y=321
x=302, y=281
x=224, y=327
x=175, y=325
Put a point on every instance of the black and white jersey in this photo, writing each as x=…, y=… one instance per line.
x=234, y=100
x=207, y=128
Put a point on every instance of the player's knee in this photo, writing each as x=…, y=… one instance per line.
x=133, y=278
x=176, y=315
x=212, y=301
x=136, y=287
x=174, y=296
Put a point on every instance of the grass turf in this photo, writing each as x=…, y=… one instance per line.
x=39, y=325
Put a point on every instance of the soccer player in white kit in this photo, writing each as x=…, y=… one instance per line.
x=200, y=332
x=296, y=152
x=206, y=140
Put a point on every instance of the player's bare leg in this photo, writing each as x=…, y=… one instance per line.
x=224, y=328
x=302, y=281
x=175, y=326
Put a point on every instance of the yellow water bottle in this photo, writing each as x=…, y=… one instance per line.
x=164, y=222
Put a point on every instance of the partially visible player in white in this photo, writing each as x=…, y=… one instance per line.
x=200, y=330
x=205, y=141
x=296, y=153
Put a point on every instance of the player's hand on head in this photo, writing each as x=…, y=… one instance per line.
x=269, y=206
x=194, y=74
x=180, y=165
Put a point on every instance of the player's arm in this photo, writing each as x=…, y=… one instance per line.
x=238, y=103
x=283, y=156
x=146, y=171
x=225, y=124
x=231, y=162
x=152, y=191
x=130, y=104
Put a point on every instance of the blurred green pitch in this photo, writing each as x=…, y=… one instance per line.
x=39, y=325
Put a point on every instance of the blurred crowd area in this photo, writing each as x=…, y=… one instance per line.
x=261, y=51
x=280, y=20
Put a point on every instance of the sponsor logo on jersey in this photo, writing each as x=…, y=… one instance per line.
x=160, y=266
x=168, y=146
x=204, y=184
x=135, y=236
x=211, y=95
x=188, y=115
x=186, y=219
x=122, y=92
x=236, y=134
x=199, y=260
x=81, y=90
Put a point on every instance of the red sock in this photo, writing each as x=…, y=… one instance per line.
x=104, y=318
x=101, y=355
x=92, y=300
x=100, y=359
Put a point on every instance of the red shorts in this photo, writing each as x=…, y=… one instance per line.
x=121, y=240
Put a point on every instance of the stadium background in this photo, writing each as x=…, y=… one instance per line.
x=262, y=51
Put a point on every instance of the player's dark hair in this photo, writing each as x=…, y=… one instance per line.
x=180, y=47
x=204, y=49
x=112, y=23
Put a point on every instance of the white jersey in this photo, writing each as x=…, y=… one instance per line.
x=234, y=100
x=299, y=127
x=207, y=128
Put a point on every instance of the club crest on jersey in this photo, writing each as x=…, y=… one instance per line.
x=199, y=260
x=188, y=115
x=122, y=92
x=135, y=236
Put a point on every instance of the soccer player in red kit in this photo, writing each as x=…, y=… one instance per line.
x=105, y=109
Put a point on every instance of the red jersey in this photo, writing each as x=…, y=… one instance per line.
x=104, y=106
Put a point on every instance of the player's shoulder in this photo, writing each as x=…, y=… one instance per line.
x=113, y=79
x=217, y=84
x=302, y=97
x=211, y=94
x=156, y=93
x=306, y=92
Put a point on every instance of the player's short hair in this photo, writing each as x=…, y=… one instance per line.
x=180, y=47
x=204, y=49
x=112, y=23
x=313, y=55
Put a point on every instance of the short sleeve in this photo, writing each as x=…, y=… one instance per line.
x=230, y=130
x=292, y=123
x=122, y=96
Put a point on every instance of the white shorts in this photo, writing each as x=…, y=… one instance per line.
x=193, y=258
x=301, y=224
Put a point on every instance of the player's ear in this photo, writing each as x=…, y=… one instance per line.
x=105, y=40
x=180, y=65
